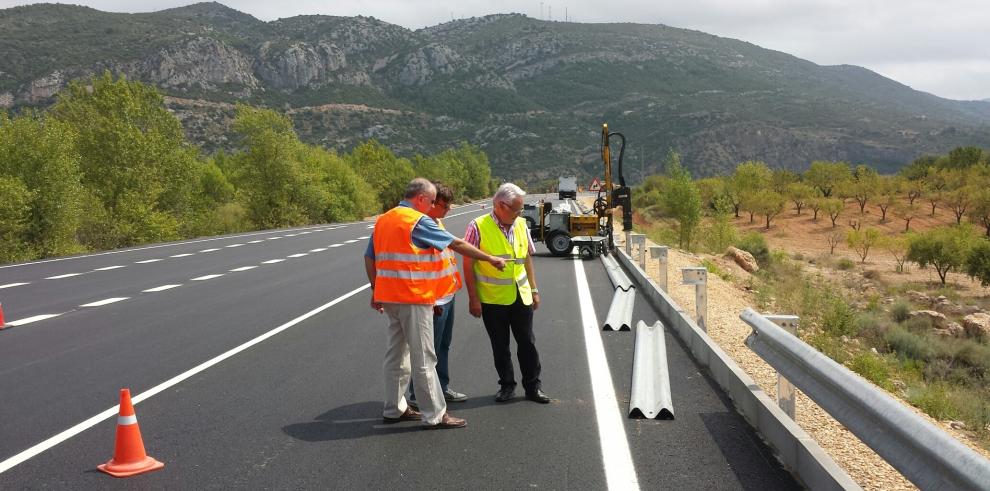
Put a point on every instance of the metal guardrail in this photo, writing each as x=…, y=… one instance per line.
x=923, y=453
x=650, y=392
x=615, y=274
x=620, y=312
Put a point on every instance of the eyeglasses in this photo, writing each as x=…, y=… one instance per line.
x=515, y=211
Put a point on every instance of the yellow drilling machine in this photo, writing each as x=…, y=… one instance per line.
x=590, y=232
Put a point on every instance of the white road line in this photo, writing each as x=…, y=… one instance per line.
x=318, y=249
x=371, y=226
x=134, y=249
x=160, y=288
x=146, y=261
x=59, y=277
x=298, y=255
x=210, y=250
x=619, y=470
x=242, y=268
x=336, y=245
x=108, y=413
x=365, y=237
x=11, y=285
x=272, y=261
x=182, y=255
x=255, y=241
x=28, y=320
x=234, y=245
x=303, y=233
x=108, y=268
x=350, y=241
x=274, y=238
x=291, y=235
x=207, y=277
x=104, y=302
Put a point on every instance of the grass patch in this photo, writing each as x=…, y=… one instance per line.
x=714, y=269
x=872, y=368
x=845, y=264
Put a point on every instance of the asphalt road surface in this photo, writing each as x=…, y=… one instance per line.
x=255, y=362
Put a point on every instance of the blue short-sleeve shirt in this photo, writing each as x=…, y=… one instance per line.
x=425, y=234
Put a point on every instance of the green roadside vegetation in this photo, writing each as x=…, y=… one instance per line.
x=944, y=370
x=109, y=166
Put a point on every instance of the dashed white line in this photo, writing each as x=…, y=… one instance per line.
x=371, y=226
x=318, y=249
x=104, y=302
x=272, y=261
x=255, y=241
x=160, y=288
x=110, y=412
x=28, y=320
x=350, y=241
x=303, y=233
x=298, y=255
x=274, y=238
x=619, y=470
x=146, y=261
x=182, y=255
x=234, y=245
x=210, y=250
x=11, y=285
x=207, y=277
x=336, y=245
x=59, y=277
x=108, y=268
x=365, y=237
x=242, y=268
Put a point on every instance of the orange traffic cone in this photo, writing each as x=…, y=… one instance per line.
x=129, y=458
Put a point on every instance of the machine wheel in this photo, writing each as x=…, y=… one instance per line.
x=559, y=244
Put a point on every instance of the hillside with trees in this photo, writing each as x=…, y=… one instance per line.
x=526, y=91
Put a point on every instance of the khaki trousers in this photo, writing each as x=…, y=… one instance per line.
x=410, y=349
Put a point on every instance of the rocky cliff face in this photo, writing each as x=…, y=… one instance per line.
x=531, y=93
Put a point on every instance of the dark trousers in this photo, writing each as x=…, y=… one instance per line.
x=517, y=318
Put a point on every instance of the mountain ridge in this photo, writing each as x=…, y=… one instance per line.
x=532, y=93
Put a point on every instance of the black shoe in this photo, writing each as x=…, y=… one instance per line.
x=538, y=396
x=504, y=394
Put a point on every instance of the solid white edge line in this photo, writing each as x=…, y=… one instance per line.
x=93, y=421
x=619, y=470
x=104, y=302
x=160, y=288
x=28, y=320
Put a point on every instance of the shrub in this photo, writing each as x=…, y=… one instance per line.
x=845, y=264
x=872, y=328
x=797, y=256
x=871, y=274
x=908, y=345
x=716, y=270
x=919, y=324
x=872, y=368
x=900, y=311
x=932, y=399
x=755, y=244
x=838, y=317
x=829, y=346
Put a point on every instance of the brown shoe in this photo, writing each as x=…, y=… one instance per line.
x=447, y=422
x=410, y=415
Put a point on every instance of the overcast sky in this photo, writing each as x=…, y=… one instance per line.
x=937, y=46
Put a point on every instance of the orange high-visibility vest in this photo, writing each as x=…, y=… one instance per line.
x=404, y=273
x=450, y=283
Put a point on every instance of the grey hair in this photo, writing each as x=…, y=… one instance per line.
x=507, y=193
x=417, y=187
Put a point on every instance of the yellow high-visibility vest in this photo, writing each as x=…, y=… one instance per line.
x=499, y=287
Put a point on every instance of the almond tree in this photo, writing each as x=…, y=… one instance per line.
x=800, y=194
x=897, y=246
x=833, y=207
x=906, y=212
x=862, y=241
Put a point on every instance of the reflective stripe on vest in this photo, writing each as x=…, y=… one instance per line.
x=404, y=272
x=451, y=281
x=499, y=287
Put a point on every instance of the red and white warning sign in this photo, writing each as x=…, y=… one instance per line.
x=596, y=185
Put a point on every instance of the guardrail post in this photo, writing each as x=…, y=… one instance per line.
x=639, y=240
x=628, y=243
x=699, y=278
x=660, y=254
x=786, y=393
